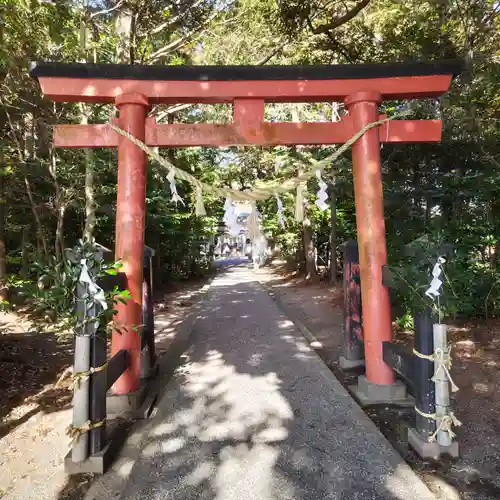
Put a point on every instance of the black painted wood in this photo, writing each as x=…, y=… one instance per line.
x=401, y=360
x=148, y=356
x=116, y=366
x=424, y=371
x=353, y=346
x=108, y=282
x=235, y=73
x=98, y=389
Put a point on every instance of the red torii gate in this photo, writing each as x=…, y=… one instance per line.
x=134, y=88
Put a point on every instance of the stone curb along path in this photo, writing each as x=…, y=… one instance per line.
x=332, y=449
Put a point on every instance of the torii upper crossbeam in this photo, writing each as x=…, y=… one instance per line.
x=133, y=89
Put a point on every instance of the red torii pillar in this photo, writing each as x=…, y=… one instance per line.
x=362, y=87
x=368, y=193
x=129, y=246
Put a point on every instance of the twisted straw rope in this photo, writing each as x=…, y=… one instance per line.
x=443, y=359
x=76, y=432
x=445, y=423
x=258, y=193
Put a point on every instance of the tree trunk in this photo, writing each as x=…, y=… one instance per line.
x=123, y=27
x=85, y=111
x=90, y=217
x=39, y=227
x=4, y=292
x=59, y=243
x=309, y=250
x=494, y=257
x=90, y=206
x=333, y=233
x=61, y=204
x=24, y=273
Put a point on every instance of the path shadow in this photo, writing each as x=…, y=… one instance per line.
x=252, y=415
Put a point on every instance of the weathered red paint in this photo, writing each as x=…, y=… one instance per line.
x=130, y=215
x=65, y=89
x=248, y=113
x=133, y=97
x=368, y=191
x=242, y=133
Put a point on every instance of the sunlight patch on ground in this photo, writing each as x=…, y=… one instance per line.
x=247, y=412
x=124, y=468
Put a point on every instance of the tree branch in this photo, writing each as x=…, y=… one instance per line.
x=179, y=41
x=171, y=22
x=341, y=48
x=171, y=110
x=339, y=21
x=15, y=138
x=107, y=11
x=179, y=107
x=276, y=51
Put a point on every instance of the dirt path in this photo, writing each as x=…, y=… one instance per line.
x=476, y=370
x=34, y=413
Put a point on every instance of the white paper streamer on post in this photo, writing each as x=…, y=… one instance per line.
x=281, y=213
x=95, y=290
x=433, y=290
x=322, y=193
x=173, y=188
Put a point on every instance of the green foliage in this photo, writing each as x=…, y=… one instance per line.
x=405, y=321
x=449, y=189
x=53, y=296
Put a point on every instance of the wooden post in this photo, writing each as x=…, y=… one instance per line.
x=367, y=170
x=352, y=349
x=98, y=389
x=423, y=372
x=80, y=448
x=130, y=216
x=148, y=357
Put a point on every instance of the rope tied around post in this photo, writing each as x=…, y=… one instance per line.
x=76, y=432
x=445, y=423
x=443, y=359
x=77, y=377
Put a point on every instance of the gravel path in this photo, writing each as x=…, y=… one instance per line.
x=255, y=415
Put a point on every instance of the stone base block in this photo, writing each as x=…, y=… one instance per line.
x=135, y=405
x=368, y=393
x=428, y=450
x=151, y=373
x=100, y=462
x=350, y=364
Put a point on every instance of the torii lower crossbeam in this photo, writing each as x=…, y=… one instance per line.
x=267, y=134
